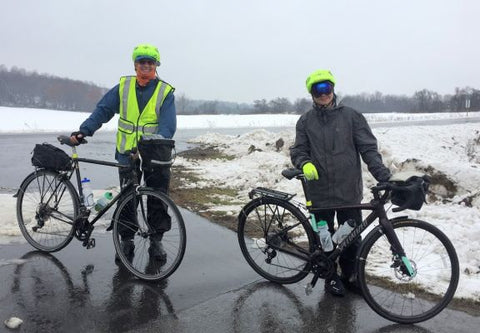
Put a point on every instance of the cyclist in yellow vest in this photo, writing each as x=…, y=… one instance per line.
x=146, y=106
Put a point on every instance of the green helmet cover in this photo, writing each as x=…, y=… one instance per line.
x=319, y=76
x=147, y=51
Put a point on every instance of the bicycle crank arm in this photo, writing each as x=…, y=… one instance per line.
x=309, y=287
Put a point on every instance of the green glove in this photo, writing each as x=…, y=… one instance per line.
x=310, y=171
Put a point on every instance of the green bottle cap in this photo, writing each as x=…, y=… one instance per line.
x=322, y=223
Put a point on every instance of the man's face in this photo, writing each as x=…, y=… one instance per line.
x=145, y=66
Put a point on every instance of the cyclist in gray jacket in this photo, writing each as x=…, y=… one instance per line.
x=330, y=140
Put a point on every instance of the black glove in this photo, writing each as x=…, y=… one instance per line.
x=79, y=136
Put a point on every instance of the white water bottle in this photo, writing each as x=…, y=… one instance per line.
x=325, y=237
x=343, y=231
x=87, y=193
x=103, y=201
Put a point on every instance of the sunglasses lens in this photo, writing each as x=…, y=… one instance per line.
x=144, y=61
x=322, y=88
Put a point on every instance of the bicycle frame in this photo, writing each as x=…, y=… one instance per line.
x=376, y=206
x=127, y=188
x=86, y=226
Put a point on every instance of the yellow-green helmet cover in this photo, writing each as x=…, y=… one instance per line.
x=319, y=76
x=146, y=51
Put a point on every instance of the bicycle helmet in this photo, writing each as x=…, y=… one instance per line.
x=319, y=76
x=146, y=51
x=410, y=194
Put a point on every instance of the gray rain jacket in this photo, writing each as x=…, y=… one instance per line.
x=334, y=139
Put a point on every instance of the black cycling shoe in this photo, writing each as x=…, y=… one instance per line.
x=156, y=250
x=334, y=286
x=128, y=248
x=351, y=284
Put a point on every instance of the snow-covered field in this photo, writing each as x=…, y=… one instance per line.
x=450, y=152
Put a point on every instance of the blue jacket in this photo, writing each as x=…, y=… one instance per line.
x=109, y=105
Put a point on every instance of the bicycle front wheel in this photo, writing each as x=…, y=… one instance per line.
x=275, y=239
x=47, y=205
x=139, y=216
x=394, y=294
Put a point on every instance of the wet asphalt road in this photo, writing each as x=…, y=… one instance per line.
x=214, y=290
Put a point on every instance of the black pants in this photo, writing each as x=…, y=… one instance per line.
x=157, y=215
x=348, y=257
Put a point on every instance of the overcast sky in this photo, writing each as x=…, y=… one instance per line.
x=251, y=49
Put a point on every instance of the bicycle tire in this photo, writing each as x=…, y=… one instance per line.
x=174, y=240
x=47, y=205
x=265, y=225
x=399, y=297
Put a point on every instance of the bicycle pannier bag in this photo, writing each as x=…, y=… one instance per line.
x=413, y=195
x=47, y=156
x=156, y=152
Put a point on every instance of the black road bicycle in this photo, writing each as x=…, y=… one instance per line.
x=51, y=211
x=407, y=269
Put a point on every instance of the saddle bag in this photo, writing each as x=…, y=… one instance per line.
x=47, y=156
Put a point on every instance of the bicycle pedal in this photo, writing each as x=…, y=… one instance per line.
x=90, y=243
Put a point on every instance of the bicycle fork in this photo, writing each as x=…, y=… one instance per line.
x=400, y=260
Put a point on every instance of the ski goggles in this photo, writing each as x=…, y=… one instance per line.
x=322, y=88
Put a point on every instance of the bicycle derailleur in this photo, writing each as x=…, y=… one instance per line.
x=83, y=229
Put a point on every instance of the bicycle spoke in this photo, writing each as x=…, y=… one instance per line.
x=136, y=219
x=398, y=296
x=273, y=239
x=46, y=208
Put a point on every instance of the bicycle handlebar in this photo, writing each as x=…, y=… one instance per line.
x=387, y=186
x=65, y=140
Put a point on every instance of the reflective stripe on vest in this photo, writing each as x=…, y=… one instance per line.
x=132, y=124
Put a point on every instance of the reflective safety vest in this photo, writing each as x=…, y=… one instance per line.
x=132, y=123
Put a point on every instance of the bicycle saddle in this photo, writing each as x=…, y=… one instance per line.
x=291, y=173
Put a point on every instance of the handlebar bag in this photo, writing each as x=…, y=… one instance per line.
x=413, y=193
x=49, y=157
x=156, y=152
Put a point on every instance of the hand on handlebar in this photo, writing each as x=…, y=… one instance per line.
x=77, y=138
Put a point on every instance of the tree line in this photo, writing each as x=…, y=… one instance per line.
x=20, y=88
x=422, y=101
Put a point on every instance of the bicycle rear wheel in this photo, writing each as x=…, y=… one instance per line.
x=140, y=263
x=47, y=205
x=275, y=239
x=400, y=297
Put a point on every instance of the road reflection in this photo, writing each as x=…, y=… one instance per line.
x=51, y=302
x=269, y=307
x=134, y=302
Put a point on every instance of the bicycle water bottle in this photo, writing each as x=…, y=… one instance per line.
x=343, y=231
x=103, y=201
x=313, y=222
x=87, y=193
x=325, y=237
